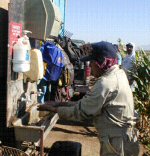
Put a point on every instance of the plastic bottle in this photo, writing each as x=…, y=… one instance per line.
x=26, y=43
x=21, y=55
x=87, y=72
x=19, y=51
x=82, y=71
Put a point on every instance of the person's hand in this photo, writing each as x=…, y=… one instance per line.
x=52, y=103
x=46, y=107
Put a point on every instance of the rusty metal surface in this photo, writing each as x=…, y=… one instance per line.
x=16, y=14
x=16, y=11
x=16, y=91
x=8, y=151
x=16, y=88
x=4, y=137
x=30, y=151
x=32, y=133
x=38, y=21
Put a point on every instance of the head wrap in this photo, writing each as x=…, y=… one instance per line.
x=104, y=54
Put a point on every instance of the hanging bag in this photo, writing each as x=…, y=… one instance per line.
x=54, y=58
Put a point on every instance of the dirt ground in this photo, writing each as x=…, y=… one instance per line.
x=78, y=132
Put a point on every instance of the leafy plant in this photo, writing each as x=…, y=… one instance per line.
x=142, y=96
x=122, y=48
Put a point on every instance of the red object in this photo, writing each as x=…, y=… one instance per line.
x=88, y=71
x=67, y=91
x=15, y=32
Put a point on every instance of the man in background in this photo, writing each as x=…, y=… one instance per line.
x=129, y=60
x=118, y=55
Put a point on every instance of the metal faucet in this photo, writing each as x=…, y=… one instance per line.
x=39, y=92
x=27, y=99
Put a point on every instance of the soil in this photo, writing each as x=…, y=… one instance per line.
x=82, y=132
x=75, y=131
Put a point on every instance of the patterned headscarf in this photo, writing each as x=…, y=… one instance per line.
x=104, y=54
x=107, y=63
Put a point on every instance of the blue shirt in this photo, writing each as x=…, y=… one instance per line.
x=119, y=58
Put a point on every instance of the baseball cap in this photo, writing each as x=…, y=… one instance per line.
x=129, y=45
x=100, y=51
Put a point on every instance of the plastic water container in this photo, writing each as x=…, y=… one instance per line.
x=36, y=66
x=21, y=57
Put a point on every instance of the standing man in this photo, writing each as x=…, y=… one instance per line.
x=109, y=104
x=129, y=60
x=118, y=55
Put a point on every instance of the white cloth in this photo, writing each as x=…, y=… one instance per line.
x=129, y=60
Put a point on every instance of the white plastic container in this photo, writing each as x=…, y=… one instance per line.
x=21, y=66
x=36, y=66
x=21, y=57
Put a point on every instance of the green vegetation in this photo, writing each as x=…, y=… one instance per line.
x=142, y=96
x=122, y=48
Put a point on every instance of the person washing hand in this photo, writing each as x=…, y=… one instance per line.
x=109, y=103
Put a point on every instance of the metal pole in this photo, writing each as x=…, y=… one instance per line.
x=64, y=17
x=42, y=141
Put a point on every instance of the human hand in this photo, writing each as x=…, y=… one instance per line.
x=52, y=103
x=46, y=107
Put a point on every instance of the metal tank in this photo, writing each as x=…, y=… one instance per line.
x=42, y=18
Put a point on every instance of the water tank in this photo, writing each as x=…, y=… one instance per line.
x=42, y=18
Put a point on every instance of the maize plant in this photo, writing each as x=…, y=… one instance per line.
x=142, y=96
x=122, y=48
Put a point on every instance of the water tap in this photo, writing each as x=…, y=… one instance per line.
x=26, y=99
x=39, y=92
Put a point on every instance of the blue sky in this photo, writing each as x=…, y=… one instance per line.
x=96, y=20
